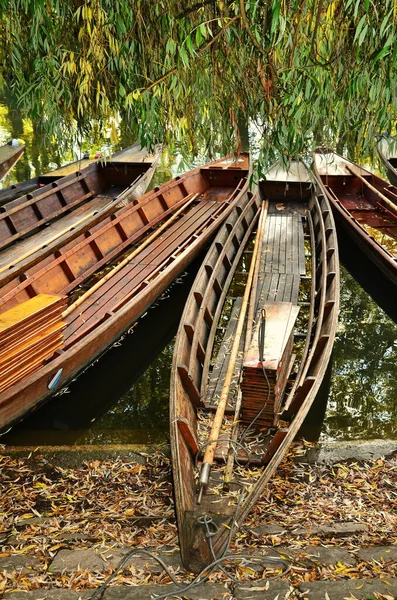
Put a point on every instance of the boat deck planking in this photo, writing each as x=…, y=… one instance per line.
x=117, y=291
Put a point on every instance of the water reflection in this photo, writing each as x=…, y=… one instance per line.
x=363, y=396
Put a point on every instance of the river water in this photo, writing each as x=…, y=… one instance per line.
x=123, y=398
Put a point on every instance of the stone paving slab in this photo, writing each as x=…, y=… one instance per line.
x=332, y=452
x=360, y=589
x=67, y=561
x=206, y=591
x=52, y=594
x=320, y=555
x=23, y=564
x=262, y=590
x=378, y=553
x=337, y=530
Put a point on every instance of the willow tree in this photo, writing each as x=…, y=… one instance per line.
x=303, y=72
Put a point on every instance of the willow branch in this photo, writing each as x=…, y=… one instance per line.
x=248, y=29
x=193, y=8
x=199, y=51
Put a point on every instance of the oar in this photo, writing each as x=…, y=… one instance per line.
x=209, y=453
x=356, y=172
x=124, y=262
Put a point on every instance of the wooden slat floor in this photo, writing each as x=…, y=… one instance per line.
x=218, y=373
x=283, y=258
x=128, y=281
x=282, y=265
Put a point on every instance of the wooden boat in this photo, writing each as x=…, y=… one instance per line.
x=166, y=228
x=132, y=153
x=211, y=374
x=387, y=151
x=9, y=155
x=364, y=207
x=71, y=203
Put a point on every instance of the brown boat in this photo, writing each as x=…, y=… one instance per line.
x=72, y=202
x=9, y=155
x=364, y=207
x=153, y=239
x=240, y=398
x=387, y=151
x=132, y=153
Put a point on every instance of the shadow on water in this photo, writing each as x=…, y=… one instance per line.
x=363, y=396
x=368, y=276
x=123, y=397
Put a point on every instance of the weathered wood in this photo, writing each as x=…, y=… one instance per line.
x=216, y=425
x=357, y=208
x=285, y=239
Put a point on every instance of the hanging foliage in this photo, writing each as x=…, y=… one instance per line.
x=304, y=72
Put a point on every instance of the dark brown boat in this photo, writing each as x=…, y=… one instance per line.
x=266, y=383
x=152, y=239
x=364, y=207
x=9, y=155
x=387, y=151
x=72, y=202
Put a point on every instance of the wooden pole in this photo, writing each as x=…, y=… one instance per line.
x=357, y=173
x=220, y=411
x=124, y=262
x=248, y=333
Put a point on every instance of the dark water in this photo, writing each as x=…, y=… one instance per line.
x=123, y=398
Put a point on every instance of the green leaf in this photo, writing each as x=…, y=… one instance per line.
x=359, y=27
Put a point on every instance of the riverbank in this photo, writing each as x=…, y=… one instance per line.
x=69, y=517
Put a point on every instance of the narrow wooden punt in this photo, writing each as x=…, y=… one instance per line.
x=67, y=206
x=387, y=151
x=295, y=213
x=133, y=153
x=9, y=155
x=364, y=207
x=209, y=194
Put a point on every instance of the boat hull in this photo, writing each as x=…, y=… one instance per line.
x=387, y=151
x=192, y=359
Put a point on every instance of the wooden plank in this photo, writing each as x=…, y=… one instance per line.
x=26, y=247
x=17, y=347
x=188, y=435
x=26, y=310
x=137, y=271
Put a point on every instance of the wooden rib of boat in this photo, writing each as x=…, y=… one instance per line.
x=364, y=207
x=205, y=363
x=9, y=155
x=387, y=151
x=161, y=233
x=44, y=219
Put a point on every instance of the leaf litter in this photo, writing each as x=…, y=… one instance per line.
x=115, y=504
